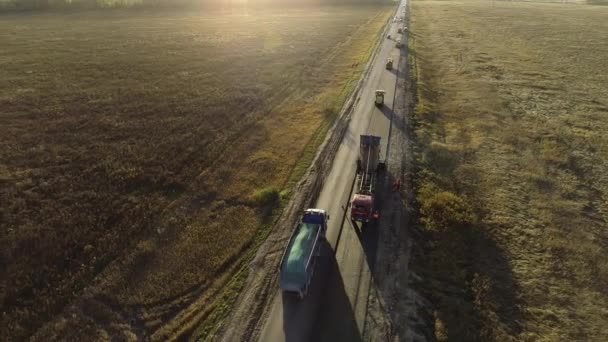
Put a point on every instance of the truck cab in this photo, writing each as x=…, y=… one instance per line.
x=316, y=216
x=362, y=207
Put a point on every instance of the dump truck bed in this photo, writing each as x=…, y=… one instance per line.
x=294, y=272
x=369, y=153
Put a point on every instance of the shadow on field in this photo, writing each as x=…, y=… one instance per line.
x=467, y=275
x=470, y=282
x=496, y=285
x=339, y=322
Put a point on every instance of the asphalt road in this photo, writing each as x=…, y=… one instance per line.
x=343, y=276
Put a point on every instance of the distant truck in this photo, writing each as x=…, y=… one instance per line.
x=389, y=64
x=400, y=30
x=299, y=258
x=398, y=45
x=369, y=166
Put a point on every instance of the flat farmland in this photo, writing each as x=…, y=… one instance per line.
x=512, y=117
x=141, y=153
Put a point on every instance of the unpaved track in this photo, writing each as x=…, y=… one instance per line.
x=341, y=285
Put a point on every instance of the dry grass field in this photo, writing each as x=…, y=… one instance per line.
x=141, y=152
x=512, y=117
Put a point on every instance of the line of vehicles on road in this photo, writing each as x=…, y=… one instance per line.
x=305, y=244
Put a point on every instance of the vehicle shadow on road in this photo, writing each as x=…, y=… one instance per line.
x=339, y=322
x=300, y=321
x=395, y=122
x=368, y=237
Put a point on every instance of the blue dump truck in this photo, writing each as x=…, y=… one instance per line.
x=299, y=258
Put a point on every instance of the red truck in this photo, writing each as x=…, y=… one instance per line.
x=369, y=166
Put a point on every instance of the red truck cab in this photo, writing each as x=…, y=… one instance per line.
x=362, y=207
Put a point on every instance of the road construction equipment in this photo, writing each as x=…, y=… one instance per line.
x=369, y=166
x=304, y=247
x=379, y=98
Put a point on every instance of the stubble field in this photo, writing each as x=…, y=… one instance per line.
x=512, y=115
